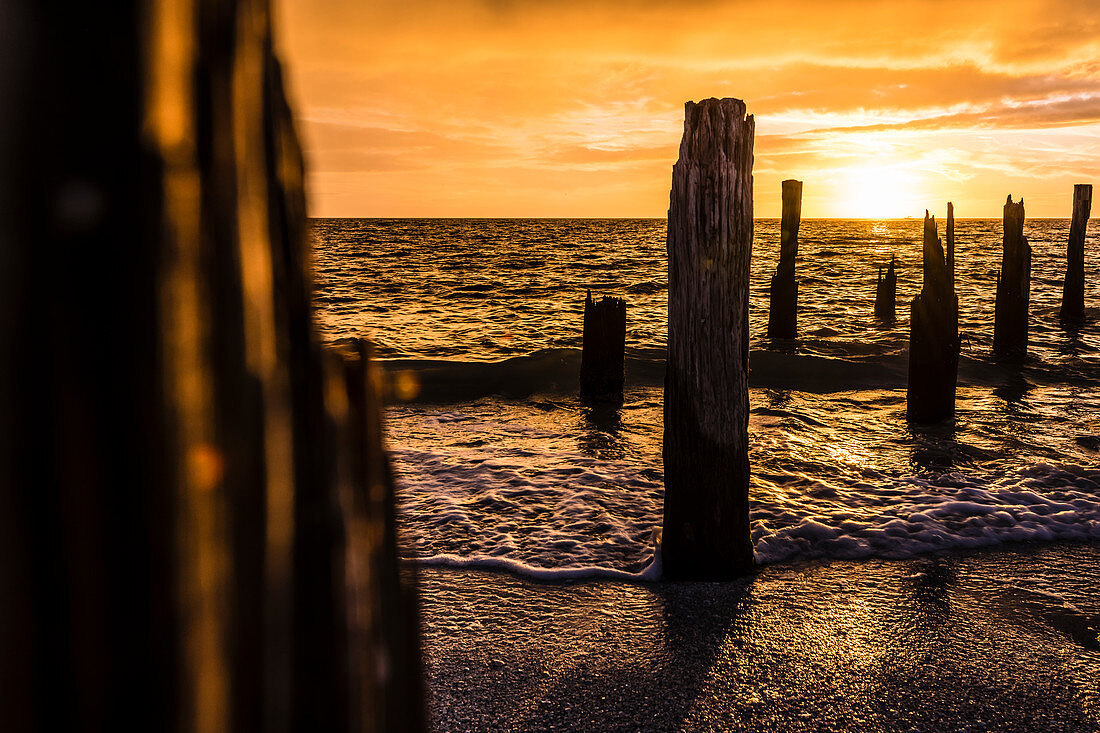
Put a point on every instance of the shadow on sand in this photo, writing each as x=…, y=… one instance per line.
x=691, y=624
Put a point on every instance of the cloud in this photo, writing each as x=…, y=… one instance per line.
x=1029, y=114
x=496, y=105
x=585, y=155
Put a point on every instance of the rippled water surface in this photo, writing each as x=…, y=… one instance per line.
x=501, y=464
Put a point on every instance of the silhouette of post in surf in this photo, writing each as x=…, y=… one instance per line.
x=1073, y=289
x=933, y=336
x=783, y=308
x=951, y=241
x=886, y=294
x=706, y=510
x=1013, y=286
x=602, y=353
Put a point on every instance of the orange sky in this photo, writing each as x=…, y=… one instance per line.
x=575, y=107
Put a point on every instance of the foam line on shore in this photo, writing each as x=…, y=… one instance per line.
x=651, y=573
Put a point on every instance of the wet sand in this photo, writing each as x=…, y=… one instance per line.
x=993, y=640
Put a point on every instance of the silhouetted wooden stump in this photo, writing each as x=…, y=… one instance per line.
x=783, y=306
x=886, y=294
x=951, y=241
x=1013, y=286
x=706, y=513
x=603, y=351
x=933, y=337
x=1073, y=289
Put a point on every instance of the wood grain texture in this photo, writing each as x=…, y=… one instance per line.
x=783, y=304
x=1010, y=322
x=933, y=336
x=603, y=349
x=710, y=228
x=1073, y=289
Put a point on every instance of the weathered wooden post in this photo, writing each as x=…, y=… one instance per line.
x=1073, y=289
x=783, y=310
x=1013, y=286
x=706, y=512
x=886, y=294
x=951, y=241
x=933, y=337
x=603, y=350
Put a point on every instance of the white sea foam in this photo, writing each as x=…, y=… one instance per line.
x=933, y=516
x=527, y=501
x=500, y=464
x=650, y=573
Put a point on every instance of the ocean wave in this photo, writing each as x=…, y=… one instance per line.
x=651, y=573
x=557, y=371
x=504, y=467
x=550, y=513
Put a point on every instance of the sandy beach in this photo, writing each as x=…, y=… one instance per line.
x=995, y=640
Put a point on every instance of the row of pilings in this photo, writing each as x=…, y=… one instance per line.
x=934, y=312
x=710, y=229
x=1013, y=278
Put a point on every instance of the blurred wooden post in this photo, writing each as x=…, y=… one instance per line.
x=886, y=294
x=1013, y=286
x=783, y=308
x=1073, y=289
x=933, y=337
x=172, y=540
x=710, y=226
x=387, y=690
x=89, y=594
x=604, y=349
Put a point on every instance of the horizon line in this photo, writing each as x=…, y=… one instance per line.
x=662, y=218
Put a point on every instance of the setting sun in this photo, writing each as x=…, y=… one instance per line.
x=886, y=192
x=516, y=108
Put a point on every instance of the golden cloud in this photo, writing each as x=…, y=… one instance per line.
x=571, y=108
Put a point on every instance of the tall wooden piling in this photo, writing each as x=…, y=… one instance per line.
x=1073, y=289
x=706, y=519
x=951, y=240
x=886, y=294
x=783, y=308
x=603, y=350
x=1013, y=286
x=933, y=336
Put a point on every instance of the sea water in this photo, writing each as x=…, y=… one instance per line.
x=500, y=465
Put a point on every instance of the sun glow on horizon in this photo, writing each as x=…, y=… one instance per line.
x=575, y=109
x=876, y=192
